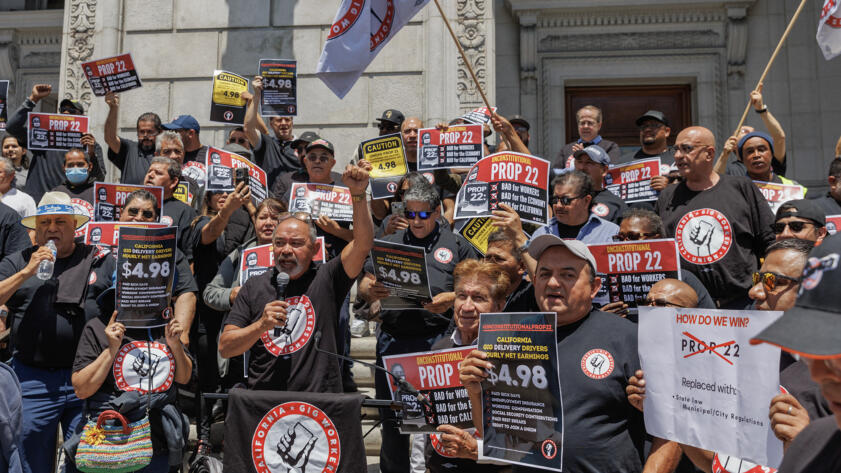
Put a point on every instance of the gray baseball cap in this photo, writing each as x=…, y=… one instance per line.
x=543, y=242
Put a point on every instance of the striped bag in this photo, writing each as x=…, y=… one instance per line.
x=115, y=449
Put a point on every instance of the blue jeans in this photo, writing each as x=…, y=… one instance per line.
x=48, y=398
x=394, y=449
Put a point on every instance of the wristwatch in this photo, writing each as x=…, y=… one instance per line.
x=523, y=248
x=762, y=110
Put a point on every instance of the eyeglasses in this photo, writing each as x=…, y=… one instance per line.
x=387, y=127
x=318, y=158
x=421, y=215
x=661, y=303
x=770, y=280
x=686, y=149
x=239, y=141
x=133, y=211
x=796, y=226
x=563, y=200
x=624, y=236
x=302, y=216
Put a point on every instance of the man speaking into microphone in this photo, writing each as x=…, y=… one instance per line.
x=283, y=353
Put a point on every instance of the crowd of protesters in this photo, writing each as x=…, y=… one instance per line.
x=65, y=340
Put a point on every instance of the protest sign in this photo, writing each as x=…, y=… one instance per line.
x=257, y=260
x=145, y=270
x=4, y=101
x=479, y=116
x=522, y=411
x=631, y=181
x=457, y=146
x=476, y=231
x=435, y=375
x=110, y=198
x=401, y=269
x=58, y=132
x=221, y=176
x=280, y=82
x=706, y=385
x=629, y=269
x=108, y=233
x=388, y=159
x=226, y=103
x=832, y=223
x=518, y=180
x=115, y=74
x=194, y=177
x=778, y=194
x=321, y=199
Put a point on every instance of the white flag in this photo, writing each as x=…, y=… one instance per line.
x=361, y=29
x=829, y=29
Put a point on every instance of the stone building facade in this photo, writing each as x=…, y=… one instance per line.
x=528, y=55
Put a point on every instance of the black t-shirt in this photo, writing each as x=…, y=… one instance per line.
x=522, y=299
x=721, y=232
x=13, y=235
x=82, y=192
x=667, y=157
x=816, y=449
x=132, y=161
x=829, y=205
x=704, y=299
x=275, y=157
x=602, y=431
x=199, y=155
x=45, y=332
x=293, y=364
x=608, y=206
x=178, y=214
x=444, y=250
x=283, y=184
x=569, y=232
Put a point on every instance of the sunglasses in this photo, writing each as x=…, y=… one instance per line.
x=563, y=200
x=770, y=280
x=421, y=215
x=780, y=227
x=388, y=127
x=239, y=141
x=624, y=236
x=133, y=211
x=661, y=303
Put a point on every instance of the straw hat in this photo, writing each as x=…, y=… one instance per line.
x=54, y=203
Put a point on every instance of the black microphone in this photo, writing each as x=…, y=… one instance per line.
x=401, y=382
x=279, y=280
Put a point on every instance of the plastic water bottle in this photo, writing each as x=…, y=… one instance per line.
x=45, y=268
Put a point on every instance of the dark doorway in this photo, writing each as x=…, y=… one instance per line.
x=621, y=105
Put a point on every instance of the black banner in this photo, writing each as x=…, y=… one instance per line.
x=280, y=83
x=402, y=269
x=521, y=399
x=280, y=431
x=4, y=98
x=145, y=270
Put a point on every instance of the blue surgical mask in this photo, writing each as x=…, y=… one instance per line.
x=76, y=175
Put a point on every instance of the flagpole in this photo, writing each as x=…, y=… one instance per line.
x=464, y=56
x=720, y=165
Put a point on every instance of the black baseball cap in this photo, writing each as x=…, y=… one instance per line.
x=72, y=104
x=392, y=116
x=812, y=328
x=653, y=115
x=803, y=208
x=321, y=143
x=306, y=137
x=521, y=120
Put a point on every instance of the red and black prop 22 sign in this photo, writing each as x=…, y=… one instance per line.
x=629, y=269
x=114, y=74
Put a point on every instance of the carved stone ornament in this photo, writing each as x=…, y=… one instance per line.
x=79, y=49
x=471, y=35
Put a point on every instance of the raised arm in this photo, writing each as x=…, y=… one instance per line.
x=252, y=120
x=771, y=124
x=111, y=138
x=353, y=255
x=17, y=122
x=509, y=134
x=217, y=224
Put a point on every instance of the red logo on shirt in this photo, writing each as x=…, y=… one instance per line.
x=141, y=364
x=81, y=207
x=92, y=278
x=600, y=210
x=443, y=255
x=597, y=363
x=294, y=435
x=300, y=325
x=703, y=236
x=166, y=220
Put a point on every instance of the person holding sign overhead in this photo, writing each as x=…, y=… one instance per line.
x=411, y=330
x=47, y=313
x=131, y=157
x=275, y=154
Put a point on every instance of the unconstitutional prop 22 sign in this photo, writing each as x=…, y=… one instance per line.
x=220, y=165
x=631, y=182
x=778, y=194
x=58, y=132
x=435, y=375
x=521, y=398
x=630, y=269
x=114, y=74
x=145, y=270
x=110, y=199
x=321, y=199
x=517, y=180
x=457, y=146
x=706, y=385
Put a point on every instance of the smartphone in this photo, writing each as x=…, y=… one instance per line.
x=397, y=208
x=241, y=175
